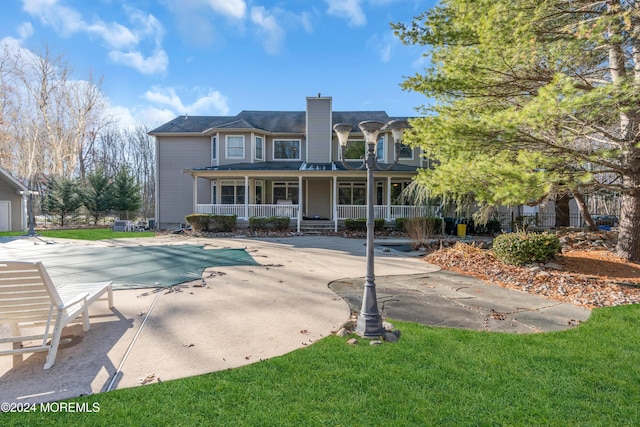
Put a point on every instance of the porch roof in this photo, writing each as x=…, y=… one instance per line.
x=260, y=166
x=297, y=166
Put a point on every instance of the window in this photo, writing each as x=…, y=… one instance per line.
x=214, y=147
x=259, y=148
x=396, y=192
x=235, y=147
x=258, y=191
x=214, y=192
x=232, y=192
x=352, y=193
x=286, y=149
x=356, y=149
x=406, y=152
x=285, y=191
x=380, y=149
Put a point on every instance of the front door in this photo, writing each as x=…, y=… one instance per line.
x=318, y=198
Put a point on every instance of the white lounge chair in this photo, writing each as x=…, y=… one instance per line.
x=29, y=300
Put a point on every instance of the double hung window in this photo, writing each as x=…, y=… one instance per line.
x=232, y=192
x=286, y=149
x=352, y=193
x=235, y=147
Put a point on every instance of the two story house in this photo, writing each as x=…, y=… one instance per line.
x=276, y=163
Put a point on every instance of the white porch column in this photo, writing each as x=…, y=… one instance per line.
x=300, y=198
x=195, y=193
x=388, y=198
x=246, y=197
x=335, y=203
x=24, y=208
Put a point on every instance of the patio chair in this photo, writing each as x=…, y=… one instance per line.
x=29, y=301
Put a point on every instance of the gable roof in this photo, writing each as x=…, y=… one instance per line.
x=13, y=182
x=267, y=121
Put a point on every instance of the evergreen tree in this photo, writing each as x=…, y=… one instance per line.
x=98, y=194
x=533, y=98
x=63, y=198
x=125, y=193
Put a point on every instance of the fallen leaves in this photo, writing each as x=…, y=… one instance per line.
x=581, y=282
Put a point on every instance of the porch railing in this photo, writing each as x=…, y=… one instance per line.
x=251, y=210
x=344, y=211
x=382, y=211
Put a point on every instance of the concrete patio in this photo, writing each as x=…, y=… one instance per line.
x=244, y=314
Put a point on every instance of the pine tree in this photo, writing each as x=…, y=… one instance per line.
x=125, y=193
x=63, y=198
x=532, y=98
x=98, y=194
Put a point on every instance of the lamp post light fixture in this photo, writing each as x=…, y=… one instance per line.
x=369, y=320
x=31, y=219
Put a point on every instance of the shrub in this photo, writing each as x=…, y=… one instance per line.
x=431, y=224
x=222, y=223
x=198, y=222
x=421, y=229
x=523, y=248
x=257, y=223
x=360, y=224
x=269, y=223
x=279, y=222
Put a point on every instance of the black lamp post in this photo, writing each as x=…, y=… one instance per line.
x=369, y=320
x=31, y=218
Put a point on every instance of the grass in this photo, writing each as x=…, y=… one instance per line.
x=84, y=234
x=586, y=376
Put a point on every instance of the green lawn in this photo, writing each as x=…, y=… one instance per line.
x=586, y=376
x=84, y=234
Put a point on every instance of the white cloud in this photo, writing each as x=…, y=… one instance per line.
x=127, y=118
x=14, y=47
x=268, y=25
x=213, y=103
x=348, y=9
x=385, y=53
x=148, y=24
x=154, y=64
x=25, y=30
x=231, y=8
x=116, y=36
x=384, y=45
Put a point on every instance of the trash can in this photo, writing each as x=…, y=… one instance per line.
x=462, y=230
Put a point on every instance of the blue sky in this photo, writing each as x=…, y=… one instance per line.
x=162, y=58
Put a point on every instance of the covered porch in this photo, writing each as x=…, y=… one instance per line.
x=303, y=194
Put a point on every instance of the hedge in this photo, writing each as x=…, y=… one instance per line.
x=269, y=223
x=523, y=248
x=215, y=223
x=360, y=224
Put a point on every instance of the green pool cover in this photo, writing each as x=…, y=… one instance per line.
x=139, y=266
